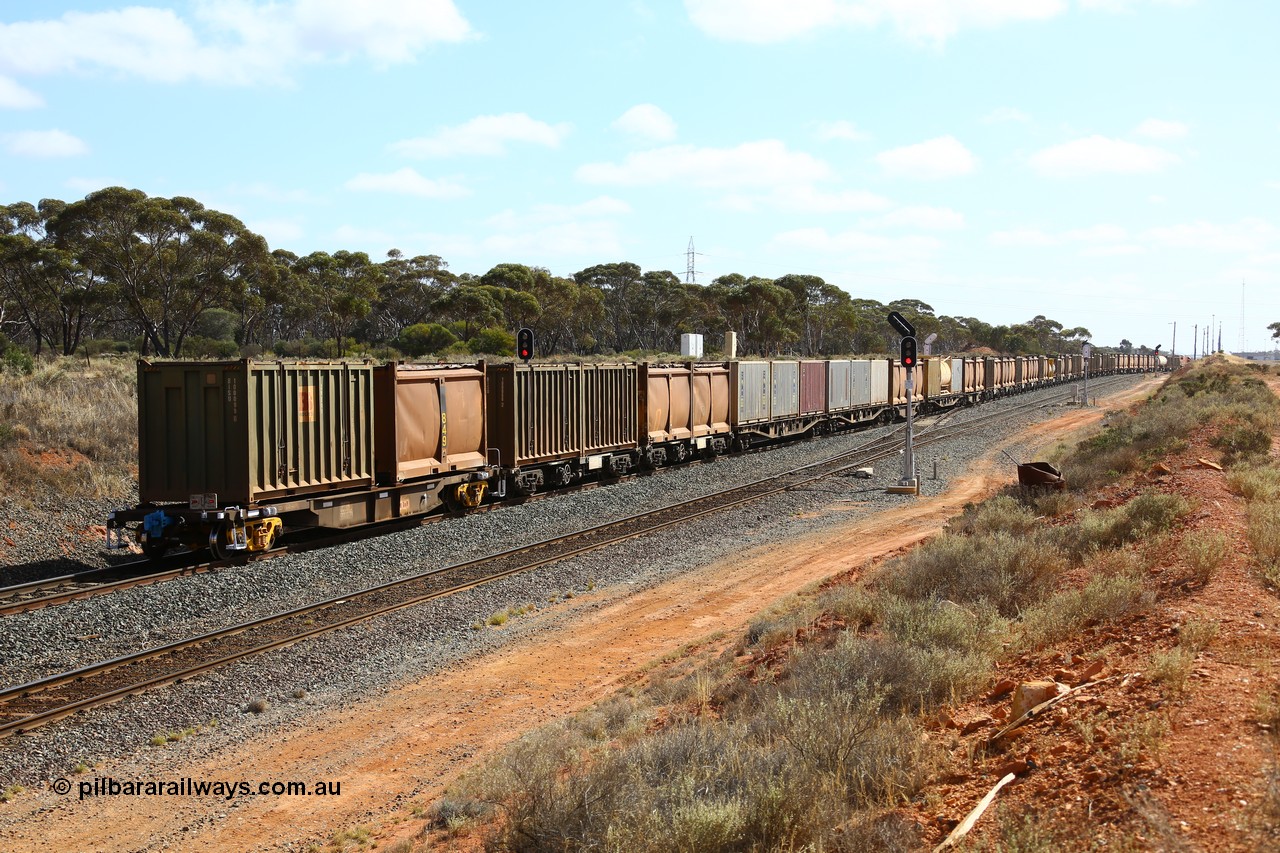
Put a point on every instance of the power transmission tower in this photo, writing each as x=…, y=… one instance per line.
x=690, y=274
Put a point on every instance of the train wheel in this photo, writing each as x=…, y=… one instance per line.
x=218, y=543
x=153, y=550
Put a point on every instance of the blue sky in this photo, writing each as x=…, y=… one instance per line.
x=1107, y=163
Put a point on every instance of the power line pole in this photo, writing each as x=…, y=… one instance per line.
x=690, y=274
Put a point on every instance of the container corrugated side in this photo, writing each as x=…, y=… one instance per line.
x=784, y=401
x=839, y=385
x=534, y=412
x=813, y=387
x=879, y=382
x=610, y=407
x=252, y=431
x=751, y=391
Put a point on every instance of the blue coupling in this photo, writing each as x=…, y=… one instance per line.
x=155, y=523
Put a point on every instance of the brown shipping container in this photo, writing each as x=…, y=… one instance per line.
x=250, y=431
x=710, y=399
x=430, y=420
x=813, y=387
x=548, y=412
x=667, y=402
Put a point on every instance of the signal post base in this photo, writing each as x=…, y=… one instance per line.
x=906, y=487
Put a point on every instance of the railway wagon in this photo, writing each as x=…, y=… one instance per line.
x=999, y=376
x=1028, y=371
x=231, y=452
x=946, y=382
x=552, y=424
x=857, y=391
x=765, y=401
x=684, y=409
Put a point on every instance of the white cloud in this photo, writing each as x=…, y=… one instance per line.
x=1004, y=115
x=647, y=121
x=1098, y=155
x=598, y=207
x=1247, y=235
x=16, y=97
x=1157, y=199
x=406, y=182
x=764, y=163
x=928, y=21
x=1154, y=128
x=43, y=143
x=229, y=41
x=1096, y=234
x=944, y=157
x=486, y=135
x=1251, y=235
x=860, y=244
x=1127, y=5
x=593, y=239
x=842, y=129
x=1275, y=185
x=805, y=198
x=1112, y=251
x=923, y=217
x=1023, y=237
x=1034, y=237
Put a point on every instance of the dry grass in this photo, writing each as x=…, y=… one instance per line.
x=1205, y=553
x=83, y=417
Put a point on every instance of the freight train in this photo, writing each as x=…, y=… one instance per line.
x=232, y=454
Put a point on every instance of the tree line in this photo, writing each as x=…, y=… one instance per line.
x=167, y=276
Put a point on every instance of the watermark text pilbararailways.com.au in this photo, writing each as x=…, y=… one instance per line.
x=227, y=789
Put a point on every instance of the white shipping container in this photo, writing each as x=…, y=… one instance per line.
x=691, y=345
x=879, y=381
x=786, y=390
x=839, y=385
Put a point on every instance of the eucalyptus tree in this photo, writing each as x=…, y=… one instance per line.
x=340, y=288
x=410, y=290
x=170, y=259
x=57, y=297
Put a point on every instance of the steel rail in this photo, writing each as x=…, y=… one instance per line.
x=13, y=599
x=590, y=539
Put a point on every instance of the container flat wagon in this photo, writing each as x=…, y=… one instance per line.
x=231, y=452
x=553, y=424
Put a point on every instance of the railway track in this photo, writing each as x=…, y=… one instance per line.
x=48, y=592
x=27, y=706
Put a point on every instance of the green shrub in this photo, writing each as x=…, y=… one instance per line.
x=493, y=342
x=1000, y=570
x=17, y=360
x=1148, y=514
x=1240, y=441
x=1105, y=598
x=423, y=338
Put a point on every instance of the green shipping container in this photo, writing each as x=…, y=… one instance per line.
x=239, y=433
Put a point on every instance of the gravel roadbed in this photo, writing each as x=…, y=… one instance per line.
x=339, y=669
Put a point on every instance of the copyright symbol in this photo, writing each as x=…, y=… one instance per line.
x=61, y=786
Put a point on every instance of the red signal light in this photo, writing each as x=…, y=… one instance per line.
x=908, y=353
